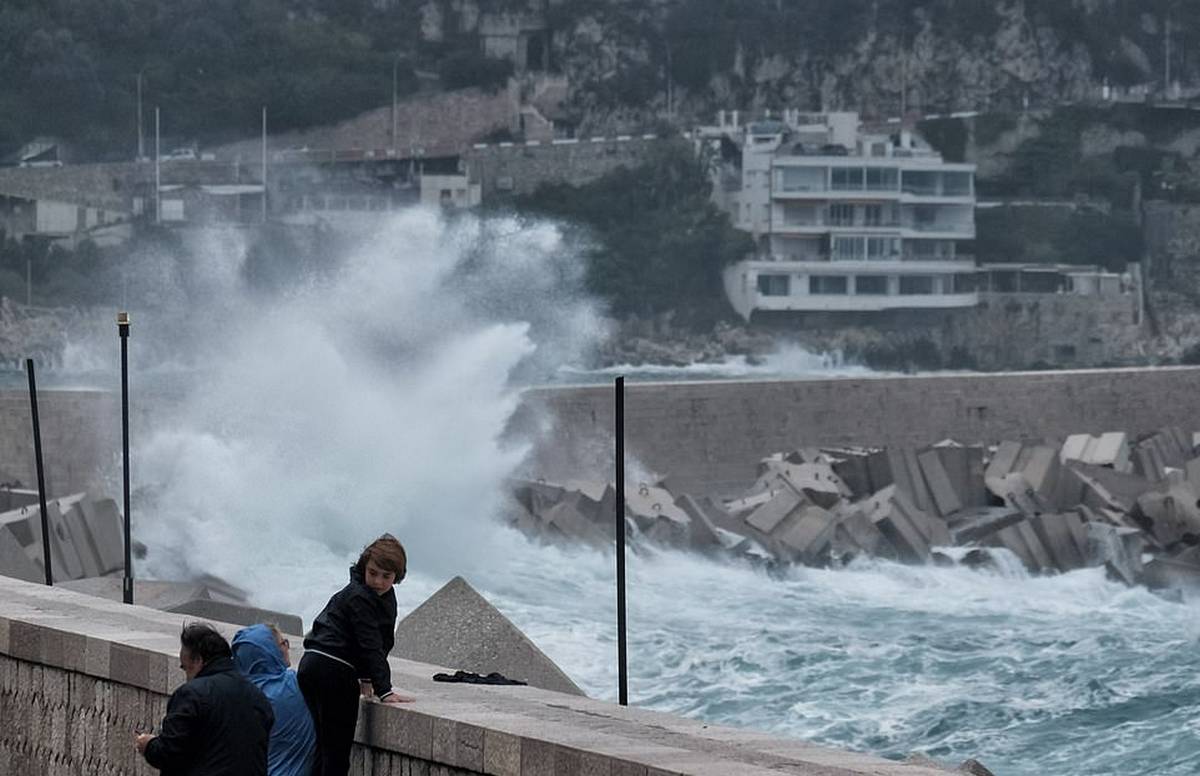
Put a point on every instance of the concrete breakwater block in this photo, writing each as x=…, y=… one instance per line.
x=458, y=628
x=1091, y=500
x=86, y=538
x=207, y=598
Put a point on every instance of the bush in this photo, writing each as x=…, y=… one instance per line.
x=467, y=67
x=659, y=242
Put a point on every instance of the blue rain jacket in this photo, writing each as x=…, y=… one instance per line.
x=293, y=739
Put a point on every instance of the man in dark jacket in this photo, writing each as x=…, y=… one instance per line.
x=217, y=723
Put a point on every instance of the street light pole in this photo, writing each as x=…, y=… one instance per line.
x=395, y=64
x=123, y=329
x=264, y=164
x=619, y=456
x=157, y=169
x=141, y=143
x=47, y=565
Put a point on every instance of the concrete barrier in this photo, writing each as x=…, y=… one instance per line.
x=79, y=674
x=458, y=628
x=708, y=435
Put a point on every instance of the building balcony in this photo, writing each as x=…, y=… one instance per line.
x=840, y=195
x=862, y=302
x=893, y=265
x=935, y=198
x=940, y=231
x=888, y=229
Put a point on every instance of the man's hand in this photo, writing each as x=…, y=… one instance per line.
x=365, y=689
x=140, y=740
x=396, y=700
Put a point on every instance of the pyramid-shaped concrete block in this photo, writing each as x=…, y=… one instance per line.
x=457, y=628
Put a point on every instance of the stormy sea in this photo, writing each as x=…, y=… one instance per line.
x=373, y=396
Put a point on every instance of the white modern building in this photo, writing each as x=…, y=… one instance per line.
x=845, y=219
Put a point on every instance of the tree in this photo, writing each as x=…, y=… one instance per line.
x=659, y=243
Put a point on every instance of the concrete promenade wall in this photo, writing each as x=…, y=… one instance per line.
x=78, y=675
x=709, y=435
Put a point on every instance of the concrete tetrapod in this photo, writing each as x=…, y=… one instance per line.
x=458, y=628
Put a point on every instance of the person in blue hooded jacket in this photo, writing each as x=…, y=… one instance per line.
x=261, y=654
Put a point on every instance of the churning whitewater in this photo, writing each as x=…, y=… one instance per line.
x=372, y=396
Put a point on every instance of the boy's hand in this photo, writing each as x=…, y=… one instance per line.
x=365, y=689
x=396, y=699
x=140, y=740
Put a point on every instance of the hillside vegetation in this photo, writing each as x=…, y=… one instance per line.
x=70, y=67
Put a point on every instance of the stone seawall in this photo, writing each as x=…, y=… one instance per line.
x=81, y=438
x=709, y=435
x=78, y=675
x=706, y=434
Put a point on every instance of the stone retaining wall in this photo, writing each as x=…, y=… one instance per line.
x=508, y=169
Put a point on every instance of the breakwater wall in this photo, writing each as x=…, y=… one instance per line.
x=79, y=675
x=709, y=435
x=81, y=438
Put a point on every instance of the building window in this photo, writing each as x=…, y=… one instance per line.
x=848, y=249
x=882, y=178
x=841, y=215
x=920, y=182
x=799, y=215
x=774, y=285
x=881, y=248
x=873, y=215
x=848, y=178
x=956, y=184
x=870, y=285
x=929, y=250
x=827, y=284
x=802, y=179
x=914, y=285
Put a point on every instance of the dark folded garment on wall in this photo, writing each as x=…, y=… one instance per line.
x=468, y=677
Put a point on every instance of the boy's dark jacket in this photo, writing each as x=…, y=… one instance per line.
x=357, y=625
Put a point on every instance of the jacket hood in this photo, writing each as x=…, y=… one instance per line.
x=256, y=654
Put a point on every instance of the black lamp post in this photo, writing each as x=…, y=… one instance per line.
x=123, y=331
x=619, y=422
x=41, y=475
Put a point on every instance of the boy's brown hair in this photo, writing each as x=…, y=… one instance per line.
x=387, y=553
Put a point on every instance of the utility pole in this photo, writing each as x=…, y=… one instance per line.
x=264, y=164
x=141, y=154
x=123, y=333
x=157, y=168
x=619, y=456
x=395, y=64
x=1167, y=52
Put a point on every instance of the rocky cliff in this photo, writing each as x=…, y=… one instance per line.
x=637, y=61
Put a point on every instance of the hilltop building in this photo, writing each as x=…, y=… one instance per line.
x=846, y=219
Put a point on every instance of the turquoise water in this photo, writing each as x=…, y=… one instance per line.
x=1065, y=675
